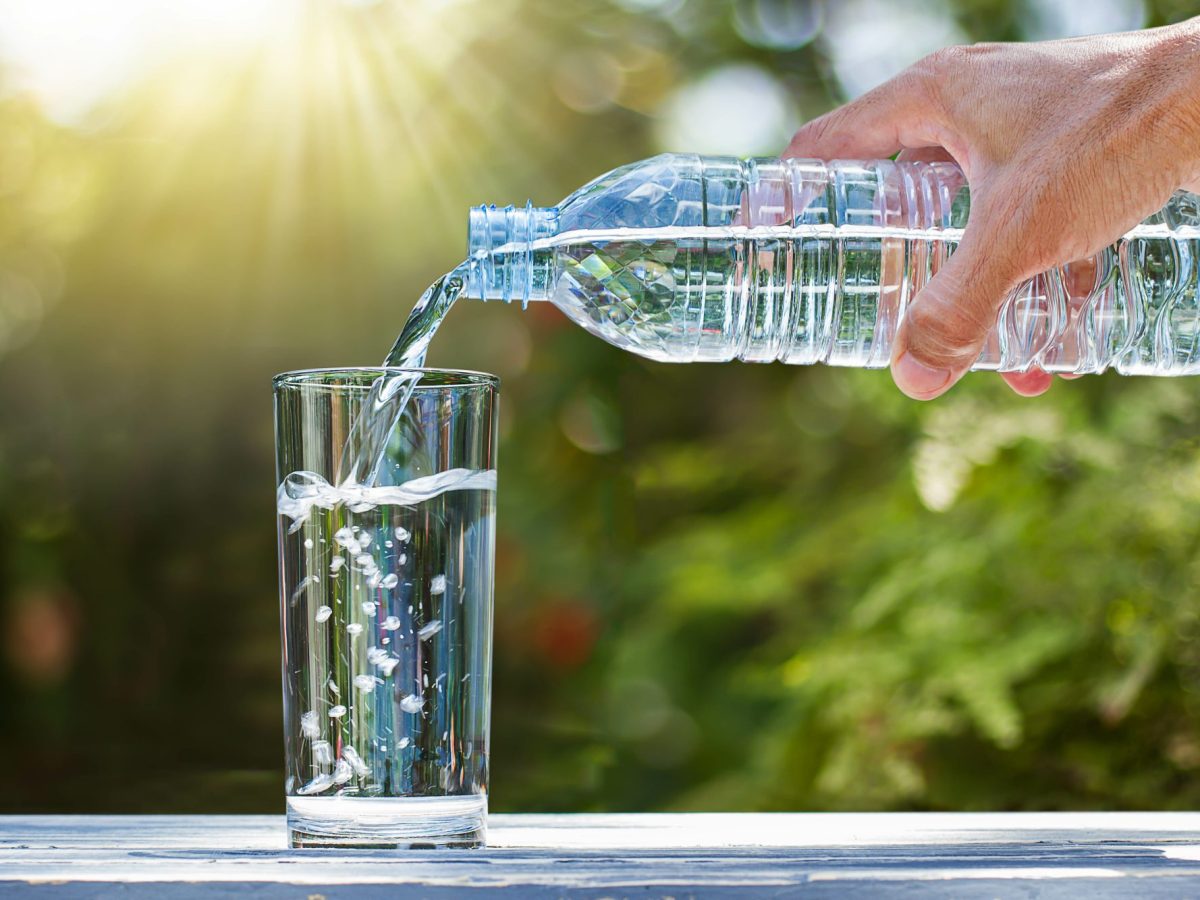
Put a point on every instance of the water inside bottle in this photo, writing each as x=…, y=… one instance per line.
x=637, y=287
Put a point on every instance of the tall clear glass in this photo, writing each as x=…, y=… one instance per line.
x=386, y=607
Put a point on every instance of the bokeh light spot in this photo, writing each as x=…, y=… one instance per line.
x=869, y=41
x=20, y=310
x=591, y=424
x=588, y=82
x=736, y=110
x=1048, y=19
x=778, y=24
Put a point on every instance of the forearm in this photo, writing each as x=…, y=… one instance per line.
x=1174, y=67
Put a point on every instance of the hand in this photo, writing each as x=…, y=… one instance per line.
x=1066, y=146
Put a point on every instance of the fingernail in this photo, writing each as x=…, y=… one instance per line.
x=917, y=380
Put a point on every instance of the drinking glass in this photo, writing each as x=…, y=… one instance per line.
x=386, y=605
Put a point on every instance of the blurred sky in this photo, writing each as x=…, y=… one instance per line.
x=73, y=54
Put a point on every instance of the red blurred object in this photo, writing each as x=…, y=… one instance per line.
x=564, y=633
x=545, y=317
x=40, y=635
x=510, y=559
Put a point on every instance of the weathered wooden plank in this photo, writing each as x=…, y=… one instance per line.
x=705, y=855
x=633, y=830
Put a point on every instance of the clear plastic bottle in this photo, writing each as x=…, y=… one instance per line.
x=683, y=258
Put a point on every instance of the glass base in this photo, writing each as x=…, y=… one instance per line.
x=408, y=823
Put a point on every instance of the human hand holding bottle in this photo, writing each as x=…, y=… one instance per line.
x=1066, y=145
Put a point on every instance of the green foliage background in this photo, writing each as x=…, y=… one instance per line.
x=719, y=587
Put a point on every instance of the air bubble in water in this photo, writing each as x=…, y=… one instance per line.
x=391, y=623
x=333, y=688
x=336, y=563
x=323, y=613
x=375, y=656
x=346, y=539
x=388, y=666
x=402, y=743
x=308, y=724
x=322, y=753
x=365, y=683
x=368, y=608
x=318, y=784
x=350, y=755
x=429, y=630
x=342, y=772
x=354, y=629
x=308, y=543
x=364, y=540
x=390, y=581
x=336, y=712
x=402, y=534
x=438, y=584
x=413, y=703
x=303, y=586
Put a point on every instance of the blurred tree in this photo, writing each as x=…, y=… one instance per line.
x=718, y=587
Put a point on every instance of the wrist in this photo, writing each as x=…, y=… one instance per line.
x=1176, y=62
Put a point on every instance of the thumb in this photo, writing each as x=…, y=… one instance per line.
x=899, y=113
x=945, y=327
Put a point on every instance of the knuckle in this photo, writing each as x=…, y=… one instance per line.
x=927, y=79
x=954, y=58
x=924, y=90
x=946, y=71
x=945, y=61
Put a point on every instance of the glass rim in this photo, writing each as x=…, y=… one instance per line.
x=324, y=378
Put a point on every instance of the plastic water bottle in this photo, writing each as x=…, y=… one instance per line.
x=683, y=258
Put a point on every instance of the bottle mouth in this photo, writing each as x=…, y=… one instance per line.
x=501, y=263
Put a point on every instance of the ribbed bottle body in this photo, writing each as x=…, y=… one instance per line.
x=683, y=258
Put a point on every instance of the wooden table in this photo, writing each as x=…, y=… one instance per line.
x=1044, y=855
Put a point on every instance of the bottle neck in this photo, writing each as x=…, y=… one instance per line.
x=503, y=262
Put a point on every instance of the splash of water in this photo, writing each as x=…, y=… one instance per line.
x=381, y=420
x=302, y=492
x=411, y=346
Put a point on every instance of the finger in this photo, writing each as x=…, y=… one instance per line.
x=1028, y=384
x=944, y=329
x=925, y=154
x=899, y=113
